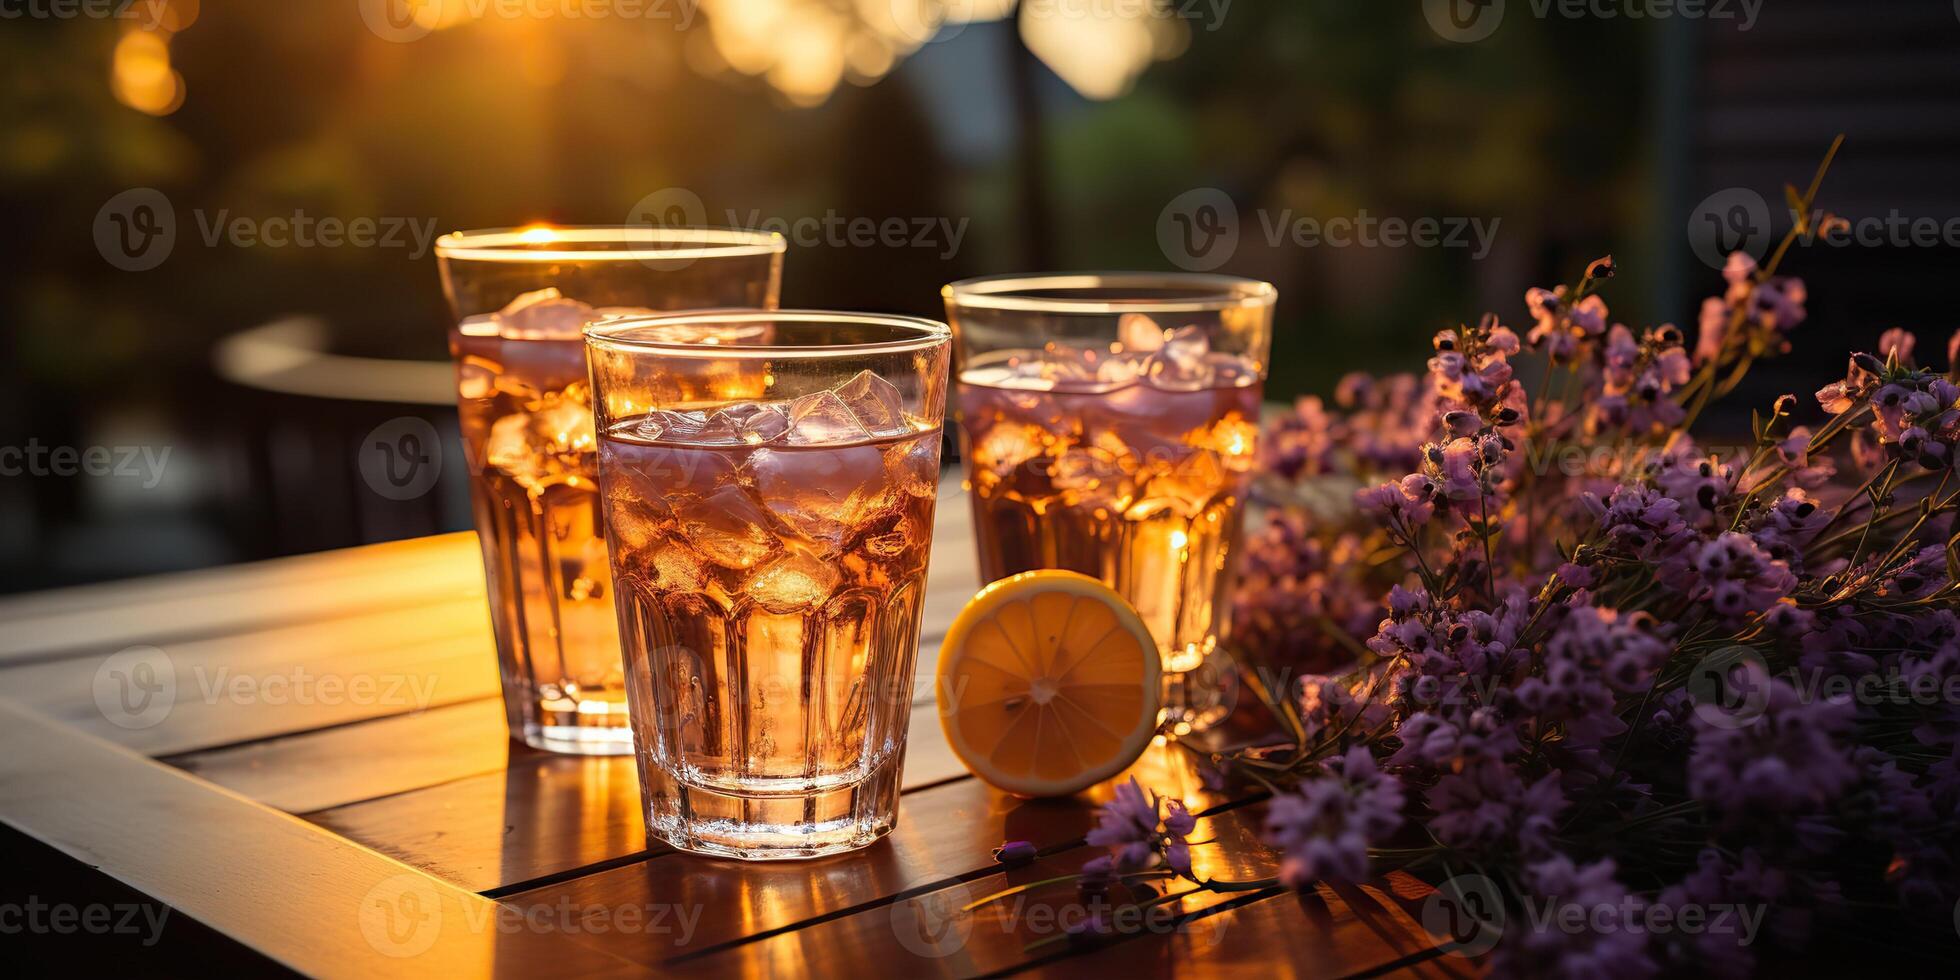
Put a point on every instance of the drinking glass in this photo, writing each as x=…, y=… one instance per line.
x=1108, y=422
x=519, y=298
x=769, y=546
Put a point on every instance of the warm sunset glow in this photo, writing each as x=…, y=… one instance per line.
x=1100, y=50
x=141, y=76
x=805, y=48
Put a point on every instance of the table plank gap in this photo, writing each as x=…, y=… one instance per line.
x=361, y=761
x=548, y=814
x=945, y=833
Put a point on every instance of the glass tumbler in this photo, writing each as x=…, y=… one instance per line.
x=520, y=299
x=769, y=545
x=1109, y=422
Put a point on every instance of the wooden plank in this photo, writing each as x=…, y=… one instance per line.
x=283, y=592
x=303, y=897
x=943, y=831
x=320, y=770
x=1285, y=936
x=317, y=567
x=929, y=934
x=271, y=682
x=548, y=814
x=364, y=761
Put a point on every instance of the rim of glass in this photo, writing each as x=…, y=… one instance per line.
x=1208, y=292
x=526, y=244
x=917, y=333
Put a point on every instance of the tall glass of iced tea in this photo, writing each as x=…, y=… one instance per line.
x=520, y=299
x=769, y=546
x=1108, y=424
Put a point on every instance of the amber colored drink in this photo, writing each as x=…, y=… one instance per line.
x=1130, y=468
x=770, y=561
x=521, y=299
x=527, y=430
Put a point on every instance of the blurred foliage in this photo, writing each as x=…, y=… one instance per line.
x=1308, y=108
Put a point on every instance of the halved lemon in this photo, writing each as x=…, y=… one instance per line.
x=1048, y=684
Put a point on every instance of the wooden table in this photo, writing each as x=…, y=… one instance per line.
x=331, y=790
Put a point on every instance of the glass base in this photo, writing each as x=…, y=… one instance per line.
x=589, y=726
x=579, y=740
x=1200, y=697
x=714, y=821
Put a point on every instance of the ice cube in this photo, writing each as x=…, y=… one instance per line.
x=1183, y=363
x=1188, y=484
x=877, y=403
x=475, y=378
x=634, y=521
x=894, y=542
x=747, y=424
x=669, y=425
x=825, y=495
x=1139, y=333
x=913, y=466
x=728, y=528
x=1095, y=474
x=508, y=449
x=1007, y=445
x=822, y=418
x=1067, y=366
x=563, y=422
x=1233, y=438
x=794, y=583
x=1121, y=369
x=674, y=567
x=543, y=314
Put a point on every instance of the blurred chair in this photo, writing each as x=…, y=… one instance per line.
x=311, y=410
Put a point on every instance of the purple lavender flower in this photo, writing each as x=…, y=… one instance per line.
x=1015, y=852
x=1787, y=760
x=1128, y=822
x=1327, y=825
x=1768, y=311
x=1738, y=579
x=1485, y=805
x=1609, y=943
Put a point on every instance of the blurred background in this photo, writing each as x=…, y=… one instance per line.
x=194, y=371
